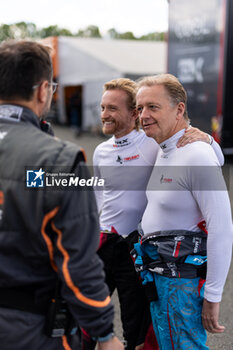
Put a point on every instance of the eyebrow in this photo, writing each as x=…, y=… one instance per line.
x=154, y=103
x=108, y=105
x=150, y=103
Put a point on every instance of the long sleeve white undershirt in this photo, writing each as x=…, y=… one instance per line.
x=180, y=195
x=123, y=208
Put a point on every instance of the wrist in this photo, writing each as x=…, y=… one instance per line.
x=104, y=338
x=210, y=139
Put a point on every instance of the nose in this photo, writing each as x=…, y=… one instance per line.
x=144, y=114
x=104, y=113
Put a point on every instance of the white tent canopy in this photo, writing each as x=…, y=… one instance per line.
x=91, y=62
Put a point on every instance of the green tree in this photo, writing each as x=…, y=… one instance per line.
x=20, y=30
x=32, y=30
x=65, y=32
x=91, y=31
x=6, y=32
x=156, y=36
x=113, y=33
x=54, y=30
x=116, y=35
x=80, y=33
x=24, y=30
x=127, y=35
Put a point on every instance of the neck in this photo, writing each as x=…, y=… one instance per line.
x=182, y=124
x=120, y=135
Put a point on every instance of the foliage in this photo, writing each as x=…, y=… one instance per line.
x=53, y=31
x=153, y=36
x=115, y=35
x=22, y=30
x=89, y=32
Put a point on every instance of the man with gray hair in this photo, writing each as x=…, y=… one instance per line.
x=183, y=206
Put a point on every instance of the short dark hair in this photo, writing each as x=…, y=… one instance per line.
x=23, y=64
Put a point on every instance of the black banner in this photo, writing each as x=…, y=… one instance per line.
x=194, y=55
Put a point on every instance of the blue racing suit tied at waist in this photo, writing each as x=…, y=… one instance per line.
x=174, y=253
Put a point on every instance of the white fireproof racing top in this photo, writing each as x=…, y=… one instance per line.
x=122, y=205
x=128, y=162
x=186, y=187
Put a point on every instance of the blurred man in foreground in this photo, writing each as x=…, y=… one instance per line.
x=51, y=280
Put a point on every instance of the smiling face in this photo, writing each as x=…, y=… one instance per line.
x=117, y=119
x=159, y=117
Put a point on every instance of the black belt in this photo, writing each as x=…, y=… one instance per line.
x=22, y=298
x=173, y=247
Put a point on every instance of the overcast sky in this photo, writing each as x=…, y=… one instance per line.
x=138, y=16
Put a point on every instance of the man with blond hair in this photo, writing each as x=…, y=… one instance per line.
x=186, y=200
x=125, y=162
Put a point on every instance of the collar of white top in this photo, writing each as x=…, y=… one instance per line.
x=126, y=139
x=170, y=143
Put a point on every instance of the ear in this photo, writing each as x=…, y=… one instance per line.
x=180, y=110
x=42, y=92
x=135, y=114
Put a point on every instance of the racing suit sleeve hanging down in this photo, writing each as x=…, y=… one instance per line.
x=72, y=241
